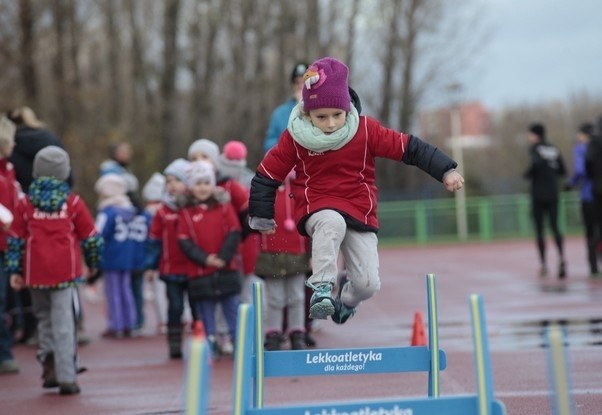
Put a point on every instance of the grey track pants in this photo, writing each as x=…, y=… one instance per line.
x=56, y=329
x=330, y=236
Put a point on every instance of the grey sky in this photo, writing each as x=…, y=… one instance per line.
x=539, y=50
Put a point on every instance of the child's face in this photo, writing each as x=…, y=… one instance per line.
x=174, y=186
x=202, y=190
x=6, y=148
x=199, y=155
x=328, y=120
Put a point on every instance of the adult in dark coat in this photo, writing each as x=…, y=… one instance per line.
x=546, y=167
x=31, y=136
x=593, y=168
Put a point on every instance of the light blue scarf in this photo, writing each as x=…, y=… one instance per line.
x=312, y=138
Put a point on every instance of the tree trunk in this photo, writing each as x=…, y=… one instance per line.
x=389, y=63
x=169, y=132
x=113, y=62
x=27, y=52
x=62, y=94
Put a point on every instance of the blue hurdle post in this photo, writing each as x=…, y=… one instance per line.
x=259, y=375
x=433, y=389
x=198, y=373
x=559, y=371
x=481, y=354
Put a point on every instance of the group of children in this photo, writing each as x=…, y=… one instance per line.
x=210, y=232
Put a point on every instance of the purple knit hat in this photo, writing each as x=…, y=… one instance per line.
x=326, y=85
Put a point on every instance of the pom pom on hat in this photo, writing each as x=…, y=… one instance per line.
x=52, y=161
x=235, y=150
x=201, y=171
x=178, y=169
x=233, y=158
x=111, y=184
x=208, y=147
x=154, y=188
x=326, y=85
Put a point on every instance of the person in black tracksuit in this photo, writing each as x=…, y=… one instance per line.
x=544, y=171
x=593, y=168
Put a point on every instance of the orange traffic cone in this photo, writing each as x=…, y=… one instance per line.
x=418, y=335
x=198, y=329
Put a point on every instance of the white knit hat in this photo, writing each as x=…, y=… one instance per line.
x=206, y=146
x=201, y=171
x=154, y=188
x=178, y=169
x=111, y=184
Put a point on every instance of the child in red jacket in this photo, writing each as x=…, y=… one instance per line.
x=283, y=264
x=333, y=151
x=51, y=230
x=8, y=204
x=164, y=253
x=209, y=234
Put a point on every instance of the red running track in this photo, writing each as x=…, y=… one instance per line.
x=135, y=376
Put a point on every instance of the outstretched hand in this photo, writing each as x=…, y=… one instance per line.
x=263, y=225
x=453, y=181
x=16, y=282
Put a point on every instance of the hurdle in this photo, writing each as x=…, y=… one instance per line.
x=252, y=365
x=558, y=367
x=197, y=378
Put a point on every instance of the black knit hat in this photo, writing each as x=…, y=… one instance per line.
x=587, y=128
x=298, y=70
x=538, y=129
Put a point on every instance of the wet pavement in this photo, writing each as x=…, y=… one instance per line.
x=135, y=376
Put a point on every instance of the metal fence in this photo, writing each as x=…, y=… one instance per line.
x=488, y=218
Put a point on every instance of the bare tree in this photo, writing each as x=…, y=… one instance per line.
x=27, y=51
x=168, y=79
x=63, y=107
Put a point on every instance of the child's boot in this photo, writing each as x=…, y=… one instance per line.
x=48, y=372
x=70, y=388
x=174, y=341
x=297, y=339
x=272, y=341
x=321, y=304
x=342, y=313
x=213, y=346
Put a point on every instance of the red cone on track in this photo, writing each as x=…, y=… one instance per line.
x=198, y=329
x=418, y=334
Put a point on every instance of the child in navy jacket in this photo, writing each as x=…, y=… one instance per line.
x=114, y=218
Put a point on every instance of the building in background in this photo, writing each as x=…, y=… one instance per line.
x=474, y=125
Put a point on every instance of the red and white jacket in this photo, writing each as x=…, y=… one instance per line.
x=209, y=228
x=286, y=239
x=164, y=227
x=53, y=252
x=9, y=194
x=343, y=179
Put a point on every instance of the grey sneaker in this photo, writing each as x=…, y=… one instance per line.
x=342, y=313
x=9, y=366
x=321, y=304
